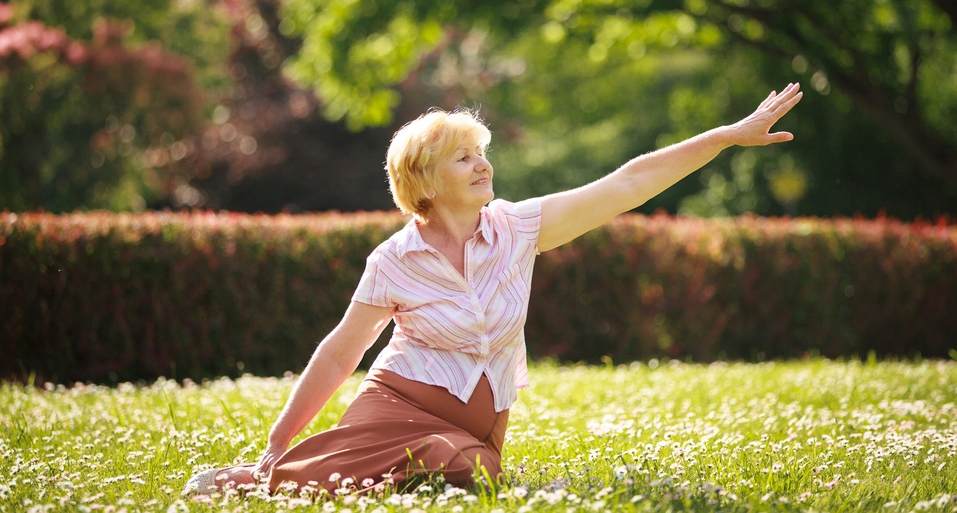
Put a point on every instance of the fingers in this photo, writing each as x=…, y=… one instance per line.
x=755, y=129
x=783, y=103
x=794, y=100
x=261, y=471
x=787, y=99
x=265, y=463
x=774, y=99
x=779, y=137
x=780, y=110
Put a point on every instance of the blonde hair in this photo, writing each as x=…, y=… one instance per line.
x=420, y=146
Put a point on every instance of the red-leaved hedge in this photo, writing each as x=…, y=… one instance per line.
x=107, y=297
x=748, y=288
x=103, y=297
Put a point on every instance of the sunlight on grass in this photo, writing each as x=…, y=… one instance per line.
x=816, y=435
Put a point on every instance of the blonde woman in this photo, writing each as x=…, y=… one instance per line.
x=456, y=280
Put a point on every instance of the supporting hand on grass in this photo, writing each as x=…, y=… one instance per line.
x=269, y=458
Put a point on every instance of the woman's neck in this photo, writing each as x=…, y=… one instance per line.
x=449, y=229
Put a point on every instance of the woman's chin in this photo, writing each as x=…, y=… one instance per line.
x=477, y=198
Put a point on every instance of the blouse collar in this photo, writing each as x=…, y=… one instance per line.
x=411, y=240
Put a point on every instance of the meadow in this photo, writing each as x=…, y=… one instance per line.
x=813, y=435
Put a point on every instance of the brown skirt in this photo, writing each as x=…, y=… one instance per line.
x=401, y=428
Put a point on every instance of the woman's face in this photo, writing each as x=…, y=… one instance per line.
x=466, y=179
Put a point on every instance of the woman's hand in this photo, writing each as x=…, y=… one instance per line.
x=333, y=361
x=754, y=129
x=566, y=215
x=269, y=458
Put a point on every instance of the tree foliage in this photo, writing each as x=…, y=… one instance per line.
x=571, y=89
x=355, y=51
x=267, y=148
x=584, y=85
x=896, y=60
x=95, y=113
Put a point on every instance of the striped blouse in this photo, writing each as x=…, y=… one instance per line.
x=451, y=329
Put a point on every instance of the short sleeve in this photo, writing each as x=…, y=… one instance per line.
x=373, y=289
x=523, y=218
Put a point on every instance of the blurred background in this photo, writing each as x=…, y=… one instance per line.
x=289, y=105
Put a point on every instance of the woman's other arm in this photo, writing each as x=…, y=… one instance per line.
x=334, y=360
x=568, y=214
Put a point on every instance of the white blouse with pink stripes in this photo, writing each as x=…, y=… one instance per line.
x=449, y=330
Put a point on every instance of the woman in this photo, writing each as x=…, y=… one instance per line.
x=456, y=281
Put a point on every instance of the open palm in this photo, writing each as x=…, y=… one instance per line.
x=754, y=130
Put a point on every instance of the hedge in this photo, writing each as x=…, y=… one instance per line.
x=748, y=288
x=107, y=297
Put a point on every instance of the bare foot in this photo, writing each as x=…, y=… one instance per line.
x=234, y=477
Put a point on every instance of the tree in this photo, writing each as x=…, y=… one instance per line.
x=571, y=89
x=703, y=71
x=95, y=113
x=81, y=123
x=355, y=51
x=267, y=148
x=895, y=59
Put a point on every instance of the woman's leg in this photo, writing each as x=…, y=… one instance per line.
x=391, y=418
x=466, y=466
x=215, y=480
x=236, y=476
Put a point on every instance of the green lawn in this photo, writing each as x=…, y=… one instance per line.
x=818, y=435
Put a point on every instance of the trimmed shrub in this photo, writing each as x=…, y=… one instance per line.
x=107, y=297
x=747, y=288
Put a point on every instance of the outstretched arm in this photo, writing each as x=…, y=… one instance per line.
x=568, y=214
x=333, y=361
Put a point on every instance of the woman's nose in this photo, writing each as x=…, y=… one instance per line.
x=483, y=163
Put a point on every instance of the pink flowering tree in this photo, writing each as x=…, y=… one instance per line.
x=91, y=124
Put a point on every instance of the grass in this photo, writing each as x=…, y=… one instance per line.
x=795, y=436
